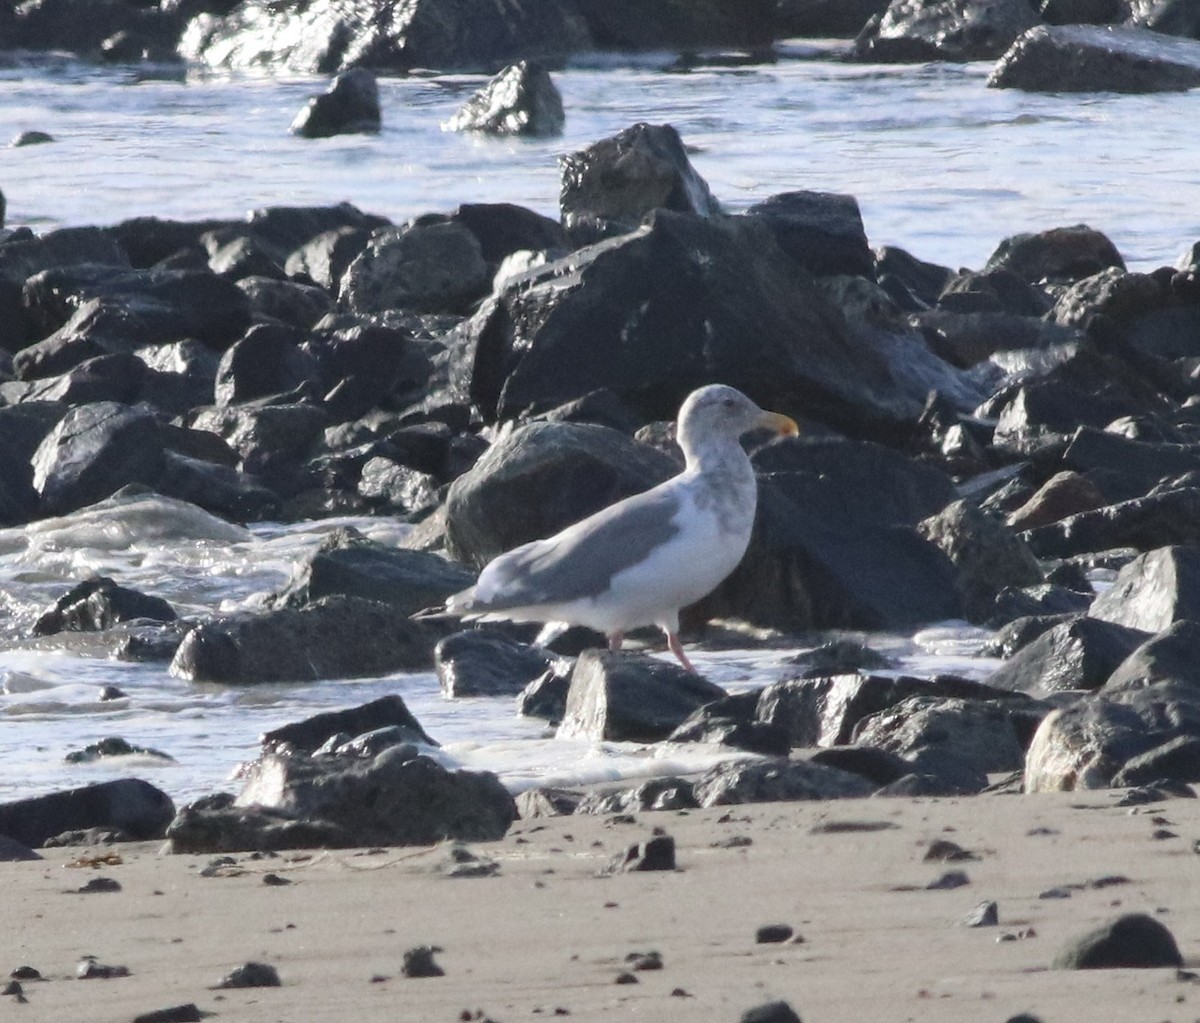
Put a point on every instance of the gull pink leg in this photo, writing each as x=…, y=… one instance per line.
x=677, y=649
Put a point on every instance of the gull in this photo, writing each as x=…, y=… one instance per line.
x=639, y=561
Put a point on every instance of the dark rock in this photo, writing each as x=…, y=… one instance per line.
x=1064, y=494
x=1143, y=524
x=776, y=781
x=419, y=962
x=129, y=804
x=1081, y=12
x=655, y=794
x=271, y=440
x=1095, y=451
x=185, y=1013
x=1093, y=58
x=986, y=914
x=30, y=138
x=428, y=268
x=1176, y=760
x=826, y=19
x=913, y=283
x=113, y=746
x=335, y=637
x=982, y=734
x=773, y=934
x=12, y=851
x=521, y=100
x=312, y=733
x=99, y=603
x=1173, y=17
x=546, y=696
x=1153, y=591
x=395, y=798
x=223, y=829
x=612, y=185
x=616, y=697
x=822, y=231
x=1133, y=941
x=1168, y=656
x=328, y=36
x=913, y=31
x=771, y=1012
x=542, y=478
x=502, y=228
x=993, y=291
x=838, y=657
x=348, y=564
x=485, y=662
x=1080, y=653
x=1020, y=632
x=288, y=302
x=967, y=339
x=878, y=766
x=1061, y=254
x=634, y=25
x=657, y=853
x=90, y=969
x=1114, y=293
x=713, y=724
x=92, y=452
x=349, y=106
x=233, y=495
x=1043, y=600
x=325, y=258
x=250, y=975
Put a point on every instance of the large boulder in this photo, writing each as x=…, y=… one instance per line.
x=392, y=36
x=521, y=100
x=1167, y=656
x=133, y=807
x=337, y=637
x=1080, y=653
x=776, y=781
x=1058, y=254
x=681, y=302
x=309, y=735
x=1098, y=58
x=350, y=106
x=1143, y=523
x=925, y=30
x=822, y=231
x=97, y=604
x=1153, y=591
x=542, y=478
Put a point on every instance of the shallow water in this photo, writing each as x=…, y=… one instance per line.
x=941, y=166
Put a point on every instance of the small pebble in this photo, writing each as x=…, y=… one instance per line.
x=274, y=880
x=986, y=914
x=100, y=884
x=950, y=879
x=625, y=977
x=89, y=969
x=644, y=960
x=250, y=975
x=770, y=934
x=419, y=962
x=186, y=1013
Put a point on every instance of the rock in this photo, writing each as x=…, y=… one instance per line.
x=429, y=268
x=419, y=962
x=309, y=735
x=987, y=554
x=981, y=734
x=620, y=302
x=486, y=662
x=656, y=853
x=324, y=259
x=251, y=974
x=350, y=106
x=1153, y=591
x=227, y=830
x=1167, y=656
x=1065, y=493
x=396, y=798
x=271, y=440
x=616, y=697
x=99, y=603
x=1133, y=941
x=826, y=19
x=30, y=138
x=92, y=452
x=1080, y=653
x=12, y=851
x=637, y=25
x=1175, y=760
x=771, y=1012
x=130, y=805
x=877, y=766
x=521, y=100
x=392, y=37
x=1113, y=292
x=503, y=229
x=522, y=488
x=776, y=781
x=986, y=914
x=612, y=185
x=267, y=360
x=23, y=427
x=656, y=794
x=219, y=489
x=336, y=637
x=913, y=31
x=1061, y=254
x=186, y=1012
x=1094, y=58
x=1143, y=463
x=348, y=564
x=546, y=696
x=822, y=231
x=1143, y=524
x=730, y=721
x=288, y=302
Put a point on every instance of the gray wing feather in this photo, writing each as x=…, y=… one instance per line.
x=581, y=564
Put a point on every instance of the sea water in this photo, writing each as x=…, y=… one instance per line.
x=941, y=166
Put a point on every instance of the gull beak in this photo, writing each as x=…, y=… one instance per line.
x=785, y=426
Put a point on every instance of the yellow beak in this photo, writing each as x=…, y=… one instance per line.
x=783, y=425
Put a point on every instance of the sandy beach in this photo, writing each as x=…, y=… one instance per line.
x=548, y=932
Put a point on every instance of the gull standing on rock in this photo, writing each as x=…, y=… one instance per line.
x=637, y=562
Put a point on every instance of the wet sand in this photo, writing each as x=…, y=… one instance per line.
x=549, y=933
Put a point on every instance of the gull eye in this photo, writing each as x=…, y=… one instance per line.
x=729, y=403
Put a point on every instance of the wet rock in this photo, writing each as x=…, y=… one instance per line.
x=776, y=781
x=1142, y=523
x=773, y=934
x=1080, y=653
x=198, y=829
x=635, y=25
x=335, y=637
x=612, y=185
x=1113, y=292
x=547, y=802
x=1019, y=633
x=92, y=452
x=771, y=1012
x=288, y=302
x=1060, y=254
x=350, y=106
x=30, y=138
x=328, y=36
x=878, y=766
x=982, y=734
x=926, y=30
x=657, y=853
x=522, y=488
x=655, y=794
x=250, y=974
x=1092, y=58
x=396, y=798
x=419, y=962
x=521, y=100
x=428, y=268
x=1133, y=941
x=1176, y=760
x=349, y=564
x=130, y=805
x=113, y=746
x=1167, y=656
x=1064, y=494
x=838, y=657
x=325, y=258
x=99, y=603
x=1153, y=591
x=987, y=554
x=615, y=697
x=730, y=722
x=220, y=489
x=546, y=696
x=270, y=439
x=486, y=662
x=822, y=231
x=503, y=229
x=12, y=851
